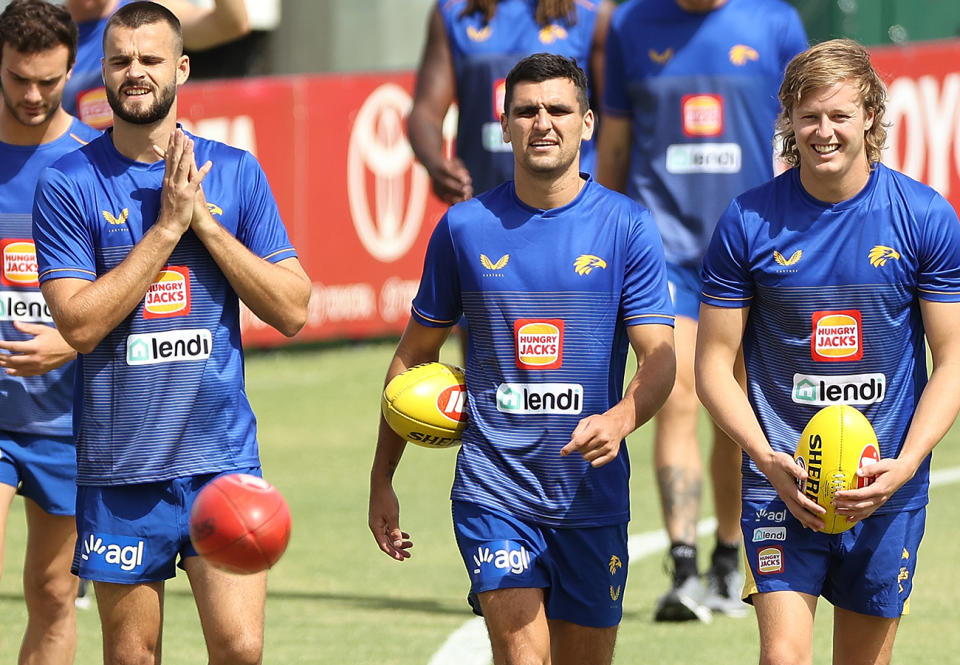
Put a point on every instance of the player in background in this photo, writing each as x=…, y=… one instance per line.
x=688, y=124
x=203, y=28
x=470, y=47
x=38, y=41
x=542, y=473
x=838, y=241
x=154, y=312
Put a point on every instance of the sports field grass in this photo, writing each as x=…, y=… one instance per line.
x=335, y=599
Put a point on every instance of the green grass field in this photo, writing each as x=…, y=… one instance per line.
x=334, y=598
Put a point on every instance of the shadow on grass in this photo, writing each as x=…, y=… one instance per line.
x=374, y=603
x=421, y=605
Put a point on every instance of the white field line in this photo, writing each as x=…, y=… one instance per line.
x=468, y=645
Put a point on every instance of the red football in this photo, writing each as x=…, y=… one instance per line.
x=240, y=523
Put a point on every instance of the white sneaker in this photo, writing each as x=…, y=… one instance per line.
x=684, y=602
x=82, y=601
x=723, y=593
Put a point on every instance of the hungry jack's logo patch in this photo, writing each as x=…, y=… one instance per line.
x=539, y=343
x=19, y=262
x=169, y=295
x=837, y=336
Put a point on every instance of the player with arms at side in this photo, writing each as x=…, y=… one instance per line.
x=688, y=124
x=203, y=28
x=875, y=267
x=542, y=473
x=38, y=41
x=143, y=270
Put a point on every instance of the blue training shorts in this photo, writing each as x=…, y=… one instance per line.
x=131, y=534
x=43, y=468
x=867, y=569
x=684, y=285
x=582, y=571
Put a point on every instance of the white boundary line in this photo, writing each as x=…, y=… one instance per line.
x=468, y=645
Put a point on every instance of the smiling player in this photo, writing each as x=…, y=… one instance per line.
x=874, y=256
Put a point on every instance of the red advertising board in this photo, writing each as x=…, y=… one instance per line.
x=923, y=109
x=357, y=205
x=359, y=208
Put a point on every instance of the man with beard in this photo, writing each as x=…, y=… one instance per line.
x=203, y=28
x=154, y=312
x=38, y=41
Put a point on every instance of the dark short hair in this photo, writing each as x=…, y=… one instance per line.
x=32, y=26
x=543, y=67
x=137, y=14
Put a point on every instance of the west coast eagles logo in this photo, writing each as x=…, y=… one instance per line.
x=880, y=253
x=119, y=219
x=498, y=265
x=587, y=262
x=615, y=564
x=741, y=54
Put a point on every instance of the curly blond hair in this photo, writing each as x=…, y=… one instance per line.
x=826, y=64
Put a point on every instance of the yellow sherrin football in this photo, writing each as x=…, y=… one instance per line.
x=426, y=404
x=836, y=442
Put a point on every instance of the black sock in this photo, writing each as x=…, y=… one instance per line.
x=684, y=557
x=725, y=557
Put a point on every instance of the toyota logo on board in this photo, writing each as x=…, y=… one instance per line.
x=386, y=187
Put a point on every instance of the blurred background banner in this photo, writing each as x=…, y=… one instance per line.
x=923, y=110
x=357, y=205
x=359, y=208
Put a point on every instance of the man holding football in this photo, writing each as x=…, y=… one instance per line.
x=883, y=251
x=537, y=483
x=122, y=227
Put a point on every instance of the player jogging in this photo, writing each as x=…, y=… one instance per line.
x=542, y=473
x=688, y=124
x=839, y=240
x=144, y=271
x=38, y=41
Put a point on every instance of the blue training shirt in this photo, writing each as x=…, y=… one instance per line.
x=162, y=396
x=548, y=295
x=483, y=55
x=701, y=91
x=833, y=292
x=31, y=404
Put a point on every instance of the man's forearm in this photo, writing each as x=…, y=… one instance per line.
x=86, y=313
